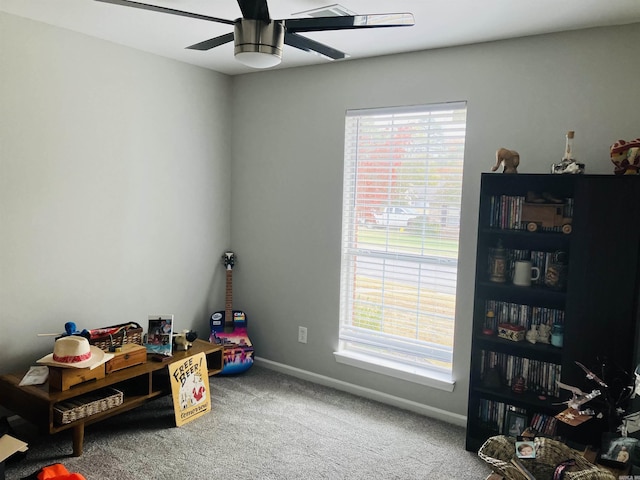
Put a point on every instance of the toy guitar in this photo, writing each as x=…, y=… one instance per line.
x=229, y=328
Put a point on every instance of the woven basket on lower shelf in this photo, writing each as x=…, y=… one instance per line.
x=498, y=452
x=86, y=405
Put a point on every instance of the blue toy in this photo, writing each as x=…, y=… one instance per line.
x=70, y=329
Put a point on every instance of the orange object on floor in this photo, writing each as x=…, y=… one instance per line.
x=57, y=471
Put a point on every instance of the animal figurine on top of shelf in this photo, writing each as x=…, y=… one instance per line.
x=510, y=159
x=626, y=157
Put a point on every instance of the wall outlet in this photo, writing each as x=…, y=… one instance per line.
x=302, y=334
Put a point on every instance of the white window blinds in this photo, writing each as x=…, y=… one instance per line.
x=401, y=216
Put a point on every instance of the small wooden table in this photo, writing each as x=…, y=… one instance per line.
x=139, y=384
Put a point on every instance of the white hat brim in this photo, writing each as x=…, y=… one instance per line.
x=98, y=357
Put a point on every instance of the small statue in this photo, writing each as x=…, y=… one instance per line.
x=182, y=341
x=544, y=332
x=569, y=164
x=532, y=335
x=518, y=385
x=510, y=159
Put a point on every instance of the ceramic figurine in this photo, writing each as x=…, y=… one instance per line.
x=510, y=159
x=532, y=335
x=181, y=341
x=544, y=332
x=518, y=385
x=626, y=157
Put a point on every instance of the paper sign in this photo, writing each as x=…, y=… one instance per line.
x=190, y=388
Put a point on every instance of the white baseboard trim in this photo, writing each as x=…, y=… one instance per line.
x=422, y=409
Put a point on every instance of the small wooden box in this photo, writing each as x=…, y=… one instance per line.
x=130, y=355
x=511, y=332
x=64, y=378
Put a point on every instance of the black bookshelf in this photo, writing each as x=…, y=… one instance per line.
x=598, y=308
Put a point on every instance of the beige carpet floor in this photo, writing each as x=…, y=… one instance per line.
x=263, y=425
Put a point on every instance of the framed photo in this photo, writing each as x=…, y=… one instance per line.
x=619, y=452
x=526, y=449
x=514, y=424
x=160, y=334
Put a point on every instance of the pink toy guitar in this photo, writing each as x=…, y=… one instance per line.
x=229, y=328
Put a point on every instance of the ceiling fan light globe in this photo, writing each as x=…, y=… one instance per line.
x=258, y=59
x=258, y=44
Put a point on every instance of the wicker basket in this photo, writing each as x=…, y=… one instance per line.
x=498, y=452
x=86, y=405
x=116, y=336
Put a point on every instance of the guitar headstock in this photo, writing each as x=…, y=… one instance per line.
x=228, y=260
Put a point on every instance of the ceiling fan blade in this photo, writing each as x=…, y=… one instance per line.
x=319, y=24
x=156, y=8
x=254, y=9
x=212, y=42
x=308, y=45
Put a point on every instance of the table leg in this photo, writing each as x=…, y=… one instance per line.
x=78, y=439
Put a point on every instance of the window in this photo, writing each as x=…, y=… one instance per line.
x=401, y=219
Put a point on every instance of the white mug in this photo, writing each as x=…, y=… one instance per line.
x=524, y=273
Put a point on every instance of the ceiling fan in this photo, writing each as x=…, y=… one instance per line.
x=259, y=39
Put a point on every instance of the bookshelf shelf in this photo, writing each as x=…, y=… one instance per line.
x=528, y=400
x=534, y=295
x=538, y=351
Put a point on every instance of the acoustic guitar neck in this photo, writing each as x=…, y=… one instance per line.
x=228, y=304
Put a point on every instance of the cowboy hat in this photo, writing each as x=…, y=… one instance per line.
x=74, y=351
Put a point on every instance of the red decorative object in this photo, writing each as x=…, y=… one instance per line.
x=518, y=385
x=625, y=155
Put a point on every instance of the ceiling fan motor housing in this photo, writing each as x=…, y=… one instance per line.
x=257, y=38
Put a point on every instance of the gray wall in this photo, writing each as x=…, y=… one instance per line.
x=114, y=187
x=288, y=158
x=124, y=177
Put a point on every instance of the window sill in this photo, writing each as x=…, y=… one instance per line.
x=423, y=376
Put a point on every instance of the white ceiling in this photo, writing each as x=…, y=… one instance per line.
x=439, y=23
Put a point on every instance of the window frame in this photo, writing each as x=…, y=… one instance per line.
x=429, y=375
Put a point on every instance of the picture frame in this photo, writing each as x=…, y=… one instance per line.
x=619, y=452
x=514, y=424
x=160, y=335
x=526, y=449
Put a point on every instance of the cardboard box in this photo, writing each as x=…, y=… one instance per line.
x=64, y=378
x=511, y=332
x=10, y=445
x=129, y=355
